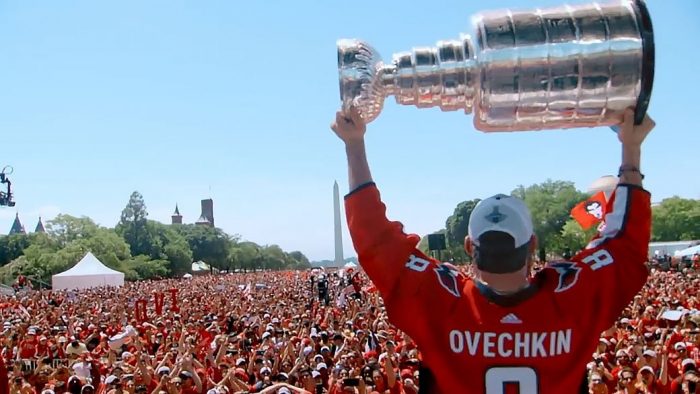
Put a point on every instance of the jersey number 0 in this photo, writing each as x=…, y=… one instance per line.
x=498, y=378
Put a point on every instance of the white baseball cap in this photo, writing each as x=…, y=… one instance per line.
x=646, y=368
x=686, y=362
x=500, y=214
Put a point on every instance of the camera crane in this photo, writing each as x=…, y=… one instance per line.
x=6, y=196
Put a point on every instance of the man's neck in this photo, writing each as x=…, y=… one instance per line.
x=510, y=290
x=504, y=284
x=505, y=290
x=506, y=299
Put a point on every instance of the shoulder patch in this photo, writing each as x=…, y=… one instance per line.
x=417, y=263
x=568, y=274
x=447, y=279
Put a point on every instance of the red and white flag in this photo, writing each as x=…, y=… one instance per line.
x=590, y=212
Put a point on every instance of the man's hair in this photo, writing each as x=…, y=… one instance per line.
x=497, y=254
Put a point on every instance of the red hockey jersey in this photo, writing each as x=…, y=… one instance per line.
x=474, y=343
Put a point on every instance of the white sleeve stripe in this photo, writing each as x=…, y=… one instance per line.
x=615, y=219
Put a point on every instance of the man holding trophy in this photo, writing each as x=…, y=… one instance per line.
x=505, y=330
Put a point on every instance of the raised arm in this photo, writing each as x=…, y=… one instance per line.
x=350, y=128
x=381, y=245
x=405, y=277
x=616, y=257
x=631, y=137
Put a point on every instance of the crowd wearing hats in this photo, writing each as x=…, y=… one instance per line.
x=655, y=345
x=274, y=333
x=263, y=332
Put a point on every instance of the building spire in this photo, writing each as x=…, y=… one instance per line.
x=207, y=216
x=176, y=217
x=17, y=227
x=40, y=227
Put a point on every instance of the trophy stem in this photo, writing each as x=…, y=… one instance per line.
x=443, y=76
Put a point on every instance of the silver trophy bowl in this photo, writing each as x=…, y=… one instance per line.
x=562, y=67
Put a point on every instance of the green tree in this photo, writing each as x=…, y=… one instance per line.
x=298, y=261
x=273, y=257
x=45, y=258
x=550, y=205
x=140, y=248
x=234, y=258
x=107, y=246
x=177, y=252
x=164, y=242
x=248, y=256
x=208, y=244
x=676, y=219
x=66, y=228
x=145, y=268
x=456, y=229
x=423, y=244
x=133, y=225
x=572, y=238
x=13, y=246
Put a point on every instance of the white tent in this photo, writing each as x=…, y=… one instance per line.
x=89, y=272
x=201, y=267
x=687, y=252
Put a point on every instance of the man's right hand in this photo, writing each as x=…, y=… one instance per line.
x=349, y=126
x=632, y=135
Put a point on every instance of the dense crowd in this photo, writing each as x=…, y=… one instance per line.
x=294, y=332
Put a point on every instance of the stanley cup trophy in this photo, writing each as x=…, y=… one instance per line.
x=563, y=67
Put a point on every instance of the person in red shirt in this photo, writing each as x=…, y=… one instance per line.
x=42, y=348
x=503, y=331
x=4, y=380
x=356, y=283
x=647, y=379
x=28, y=346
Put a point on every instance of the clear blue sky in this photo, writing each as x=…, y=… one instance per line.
x=186, y=100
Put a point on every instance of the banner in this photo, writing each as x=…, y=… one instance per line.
x=590, y=212
x=160, y=298
x=173, y=300
x=140, y=309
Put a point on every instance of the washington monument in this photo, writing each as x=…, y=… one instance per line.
x=339, y=260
